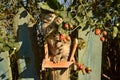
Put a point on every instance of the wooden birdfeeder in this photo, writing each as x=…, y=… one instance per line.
x=51, y=65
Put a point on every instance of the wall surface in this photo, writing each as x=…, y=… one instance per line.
x=26, y=61
x=5, y=69
x=91, y=55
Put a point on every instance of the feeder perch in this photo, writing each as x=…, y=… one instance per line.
x=51, y=65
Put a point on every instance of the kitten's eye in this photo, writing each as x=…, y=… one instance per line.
x=50, y=18
x=51, y=15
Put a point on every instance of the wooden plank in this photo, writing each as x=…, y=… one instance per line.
x=90, y=56
x=49, y=64
x=26, y=64
x=5, y=69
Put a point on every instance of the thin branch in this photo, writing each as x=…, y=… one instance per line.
x=106, y=76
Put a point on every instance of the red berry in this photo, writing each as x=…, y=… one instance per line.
x=67, y=37
x=97, y=31
x=61, y=36
x=80, y=66
x=104, y=33
x=66, y=25
x=102, y=39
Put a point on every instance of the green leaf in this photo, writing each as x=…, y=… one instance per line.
x=10, y=36
x=1, y=45
x=1, y=39
x=108, y=16
x=90, y=14
x=6, y=48
x=85, y=27
x=78, y=18
x=54, y=4
x=115, y=32
x=63, y=14
x=72, y=22
x=60, y=29
x=83, y=22
x=11, y=45
x=67, y=16
x=80, y=8
x=45, y=6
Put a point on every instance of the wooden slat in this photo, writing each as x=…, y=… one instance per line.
x=5, y=69
x=91, y=56
x=26, y=64
x=49, y=64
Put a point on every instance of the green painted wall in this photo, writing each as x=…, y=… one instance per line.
x=26, y=60
x=5, y=69
x=91, y=55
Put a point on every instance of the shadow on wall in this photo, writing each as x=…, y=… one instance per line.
x=29, y=55
x=26, y=59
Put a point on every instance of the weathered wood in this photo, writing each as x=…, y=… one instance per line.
x=67, y=64
x=60, y=70
x=26, y=63
x=74, y=50
x=5, y=69
x=51, y=65
x=61, y=74
x=91, y=55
